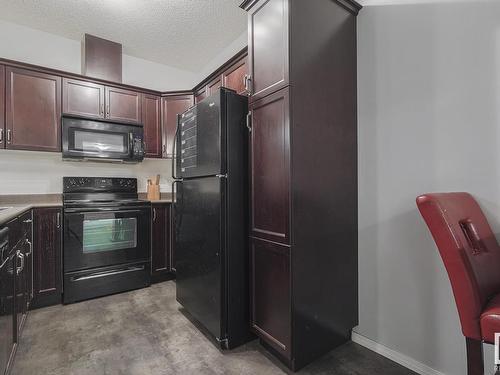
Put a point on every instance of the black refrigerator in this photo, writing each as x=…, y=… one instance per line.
x=210, y=171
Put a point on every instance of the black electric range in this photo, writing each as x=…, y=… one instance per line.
x=107, y=231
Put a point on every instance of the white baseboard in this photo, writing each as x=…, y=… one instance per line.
x=393, y=355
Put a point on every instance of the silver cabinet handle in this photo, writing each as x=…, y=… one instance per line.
x=1, y=136
x=58, y=220
x=9, y=136
x=27, y=221
x=31, y=247
x=164, y=149
x=249, y=122
x=247, y=79
x=154, y=214
x=21, y=267
x=107, y=111
x=102, y=110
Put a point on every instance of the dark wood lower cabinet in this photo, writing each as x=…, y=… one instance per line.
x=47, y=256
x=161, y=242
x=270, y=294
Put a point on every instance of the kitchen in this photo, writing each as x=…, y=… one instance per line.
x=178, y=197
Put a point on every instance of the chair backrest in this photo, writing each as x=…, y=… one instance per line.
x=469, y=250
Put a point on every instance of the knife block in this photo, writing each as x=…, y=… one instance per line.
x=153, y=192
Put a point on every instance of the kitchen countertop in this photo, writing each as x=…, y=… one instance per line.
x=21, y=203
x=18, y=204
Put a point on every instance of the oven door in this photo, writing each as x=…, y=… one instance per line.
x=105, y=236
x=87, y=139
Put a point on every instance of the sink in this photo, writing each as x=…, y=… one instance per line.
x=4, y=208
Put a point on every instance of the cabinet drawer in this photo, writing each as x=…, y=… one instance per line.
x=270, y=292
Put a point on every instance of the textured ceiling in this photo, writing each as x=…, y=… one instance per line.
x=183, y=33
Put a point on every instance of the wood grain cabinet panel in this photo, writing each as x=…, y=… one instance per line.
x=233, y=77
x=152, y=125
x=33, y=118
x=83, y=98
x=268, y=47
x=200, y=94
x=171, y=107
x=270, y=294
x=214, y=85
x=270, y=169
x=123, y=105
x=47, y=256
x=2, y=106
x=161, y=240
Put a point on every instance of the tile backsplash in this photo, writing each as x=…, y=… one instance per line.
x=28, y=172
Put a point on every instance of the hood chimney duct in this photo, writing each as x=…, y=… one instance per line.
x=101, y=58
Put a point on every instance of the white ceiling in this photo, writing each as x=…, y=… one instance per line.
x=186, y=34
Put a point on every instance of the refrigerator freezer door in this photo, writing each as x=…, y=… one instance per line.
x=201, y=139
x=199, y=221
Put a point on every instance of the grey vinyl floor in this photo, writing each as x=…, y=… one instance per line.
x=144, y=333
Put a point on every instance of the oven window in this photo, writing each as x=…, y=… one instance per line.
x=99, y=141
x=109, y=234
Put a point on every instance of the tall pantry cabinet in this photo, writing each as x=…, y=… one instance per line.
x=303, y=171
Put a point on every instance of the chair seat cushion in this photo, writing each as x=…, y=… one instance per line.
x=490, y=320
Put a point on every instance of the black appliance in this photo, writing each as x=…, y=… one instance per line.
x=210, y=214
x=106, y=237
x=7, y=300
x=95, y=140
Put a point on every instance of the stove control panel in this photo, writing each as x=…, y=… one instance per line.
x=99, y=184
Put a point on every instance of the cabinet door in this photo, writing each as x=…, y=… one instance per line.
x=270, y=294
x=152, y=125
x=268, y=51
x=2, y=108
x=123, y=105
x=47, y=256
x=270, y=169
x=171, y=107
x=160, y=249
x=233, y=78
x=83, y=98
x=33, y=110
x=200, y=94
x=214, y=85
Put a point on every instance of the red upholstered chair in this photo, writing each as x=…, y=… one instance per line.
x=471, y=255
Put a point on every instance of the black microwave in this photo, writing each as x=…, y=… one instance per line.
x=94, y=140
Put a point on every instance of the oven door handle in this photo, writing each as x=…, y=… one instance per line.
x=108, y=273
x=97, y=209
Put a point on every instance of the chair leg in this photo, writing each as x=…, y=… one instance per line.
x=475, y=365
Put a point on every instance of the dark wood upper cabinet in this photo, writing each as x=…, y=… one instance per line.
x=213, y=85
x=152, y=125
x=270, y=169
x=200, y=94
x=83, y=98
x=171, y=107
x=268, y=52
x=234, y=77
x=33, y=110
x=161, y=239
x=123, y=105
x=270, y=294
x=2, y=106
x=47, y=256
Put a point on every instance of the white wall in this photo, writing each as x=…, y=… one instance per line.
x=32, y=46
x=429, y=111
x=236, y=46
x=28, y=172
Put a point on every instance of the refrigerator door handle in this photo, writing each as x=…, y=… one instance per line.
x=174, y=150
